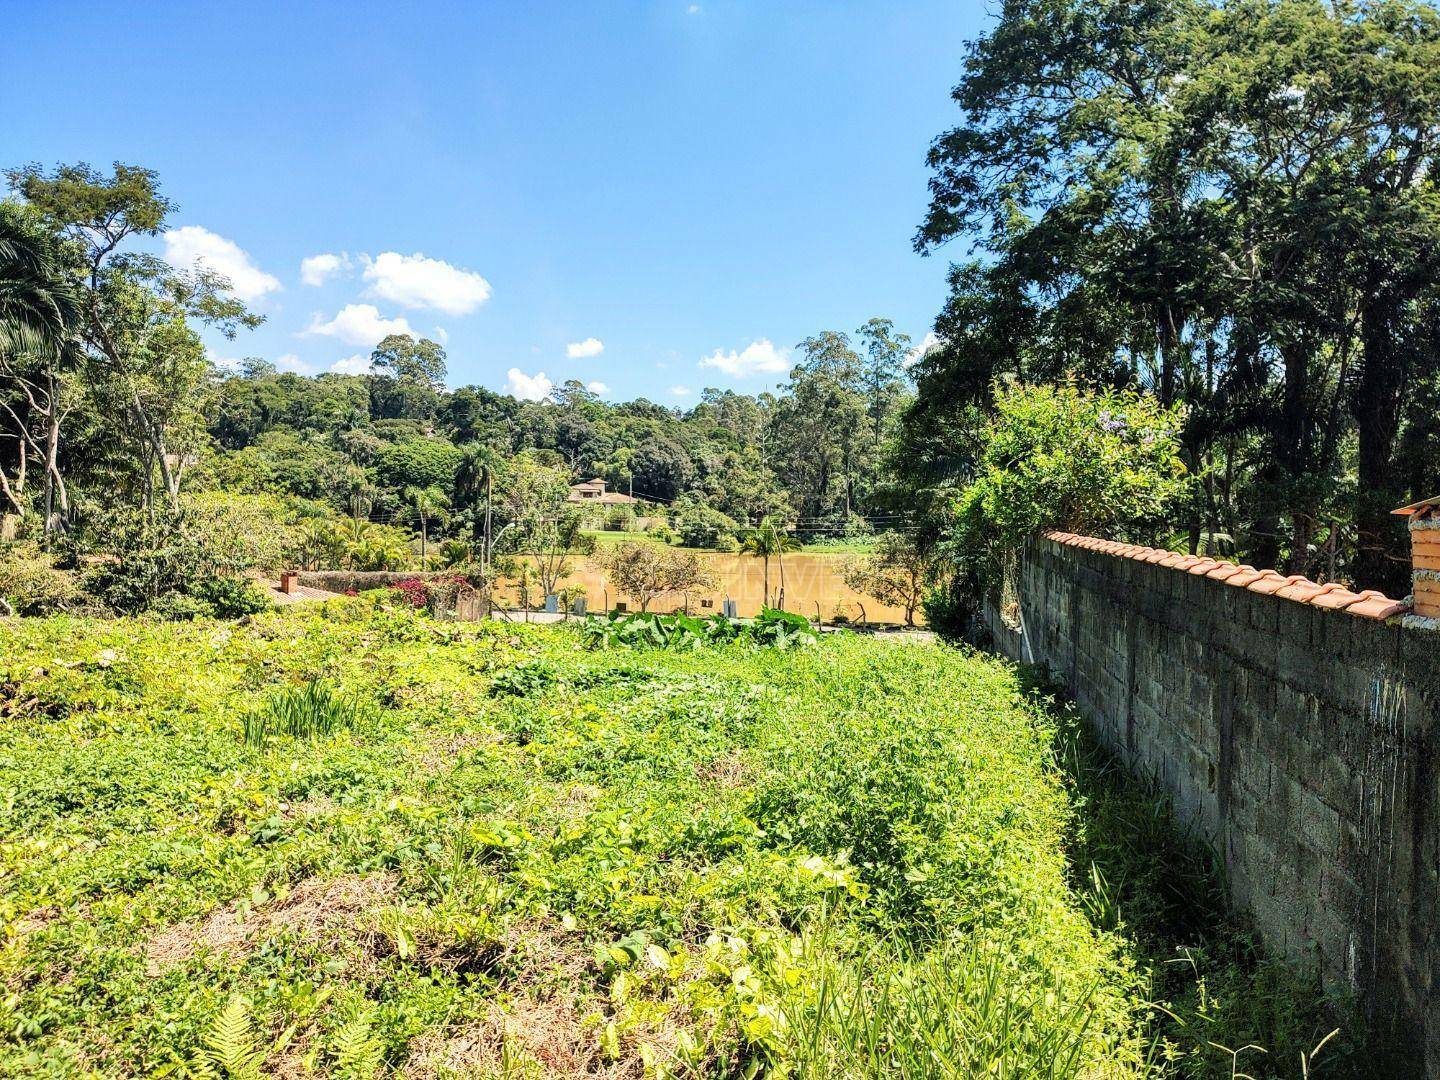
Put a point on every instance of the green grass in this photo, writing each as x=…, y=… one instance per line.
x=849, y=859
x=606, y=537
x=855, y=545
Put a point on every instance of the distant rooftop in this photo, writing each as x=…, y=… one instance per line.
x=593, y=491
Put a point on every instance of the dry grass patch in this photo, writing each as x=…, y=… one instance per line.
x=730, y=770
x=311, y=910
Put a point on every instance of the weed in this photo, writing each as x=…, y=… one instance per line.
x=314, y=710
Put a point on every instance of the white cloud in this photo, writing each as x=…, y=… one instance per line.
x=929, y=342
x=192, y=244
x=316, y=269
x=759, y=357
x=359, y=364
x=597, y=387
x=680, y=391
x=535, y=387
x=359, y=324
x=693, y=9
x=417, y=282
x=589, y=347
x=441, y=335
x=291, y=362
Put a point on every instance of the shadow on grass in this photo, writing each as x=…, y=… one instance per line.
x=1221, y=1007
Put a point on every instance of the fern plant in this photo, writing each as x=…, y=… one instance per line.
x=357, y=1051
x=228, y=1050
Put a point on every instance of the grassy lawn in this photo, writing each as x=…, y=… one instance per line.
x=500, y=854
x=857, y=546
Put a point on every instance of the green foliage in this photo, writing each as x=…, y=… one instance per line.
x=643, y=630
x=418, y=463
x=357, y=1051
x=30, y=583
x=1101, y=463
x=229, y=1049
x=950, y=611
x=620, y=518
x=524, y=679
x=736, y=859
x=230, y=597
x=314, y=710
x=700, y=525
x=1202, y=199
x=144, y=559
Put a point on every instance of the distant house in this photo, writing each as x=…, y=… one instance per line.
x=593, y=491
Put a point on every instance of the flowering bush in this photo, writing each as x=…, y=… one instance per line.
x=413, y=592
x=1105, y=463
x=436, y=595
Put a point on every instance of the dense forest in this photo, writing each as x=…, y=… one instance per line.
x=1231, y=207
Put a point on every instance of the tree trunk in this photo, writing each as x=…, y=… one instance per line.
x=1379, y=562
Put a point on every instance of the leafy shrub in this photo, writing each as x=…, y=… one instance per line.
x=648, y=630
x=230, y=596
x=179, y=607
x=143, y=560
x=701, y=525
x=30, y=583
x=524, y=679
x=951, y=612
x=1097, y=462
x=620, y=518
x=781, y=629
x=312, y=711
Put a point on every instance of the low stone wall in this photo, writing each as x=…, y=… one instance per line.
x=1298, y=736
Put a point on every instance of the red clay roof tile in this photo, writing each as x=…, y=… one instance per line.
x=1376, y=605
x=1269, y=586
x=1249, y=574
x=1337, y=598
x=1332, y=596
x=1305, y=591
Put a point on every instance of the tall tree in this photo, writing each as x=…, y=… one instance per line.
x=883, y=375
x=136, y=310
x=39, y=324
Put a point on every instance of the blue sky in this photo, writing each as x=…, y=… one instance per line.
x=691, y=187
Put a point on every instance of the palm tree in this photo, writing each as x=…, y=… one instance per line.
x=39, y=318
x=474, y=481
x=428, y=504
x=764, y=541
x=39, y=309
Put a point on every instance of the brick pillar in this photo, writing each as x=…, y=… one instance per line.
x=1425, y=555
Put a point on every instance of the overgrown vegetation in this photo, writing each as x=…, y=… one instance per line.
x=645, y=630
x=854, y=859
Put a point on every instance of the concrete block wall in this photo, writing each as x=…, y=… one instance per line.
x=1294, y=724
